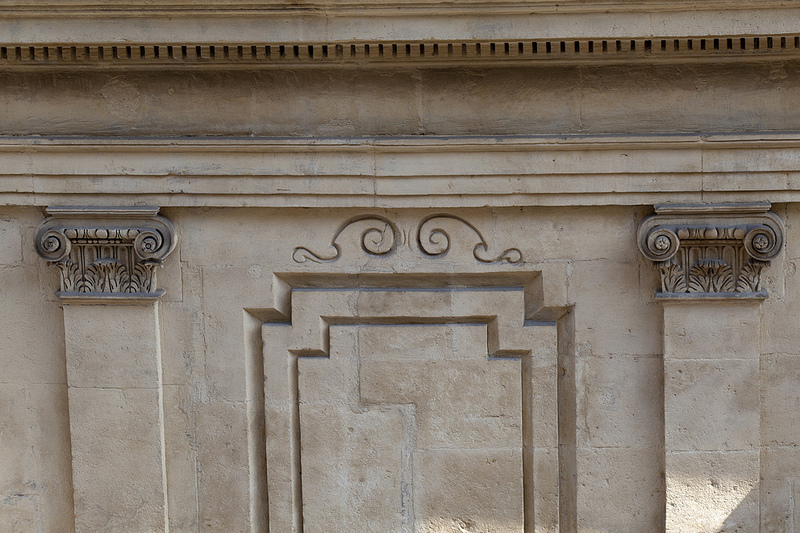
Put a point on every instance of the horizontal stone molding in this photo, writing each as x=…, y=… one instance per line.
x=247, y=22
x=104, y=254
x=416, y=53
x=711, y=250
x=392, y=172
x=224, y=7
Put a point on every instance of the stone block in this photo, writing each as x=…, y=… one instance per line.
x=357, y=461
x=712, y=492
x=620, y=489
x=622, y=401
x=35, y=463
x=546, y=494
x=223, y=477
x=782, y=314
x=547, y=233
x=180, y=444
x=116, y=460
x=711, y=330
x=613, y=315
x=29, y=356
x=10, y=241
x=472, y=489
x=463, y=405
x=124, y=355
x=495, y=98
x=780, y=375
x=779, y=488
x=711, y=405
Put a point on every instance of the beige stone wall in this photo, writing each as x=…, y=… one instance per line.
x=610, y=400
x=406, y=293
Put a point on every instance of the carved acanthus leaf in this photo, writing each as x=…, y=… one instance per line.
x=672, y=276
x=750, y=276
x=70, y=277
x=711, y=275
x=143, y=278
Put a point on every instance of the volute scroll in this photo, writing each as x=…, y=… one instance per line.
x=712, y=250
x=106, y=253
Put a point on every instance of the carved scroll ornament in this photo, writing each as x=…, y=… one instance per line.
x=712, y=250
x=379, y=236
x=106, y=251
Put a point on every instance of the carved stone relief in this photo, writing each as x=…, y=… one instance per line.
x=380, y=237
x=105, y=251
x=712, y=250
x=348, y=386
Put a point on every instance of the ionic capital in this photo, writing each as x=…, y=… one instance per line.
x=711, y=250
x=106, y=252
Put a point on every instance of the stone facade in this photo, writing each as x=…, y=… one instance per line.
x=408, y=267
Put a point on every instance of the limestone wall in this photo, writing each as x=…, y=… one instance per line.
x=610, y=396
x=396, y=290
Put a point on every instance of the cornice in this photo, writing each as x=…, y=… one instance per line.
x=347, y=23
x=401, y=53
x=73, y=8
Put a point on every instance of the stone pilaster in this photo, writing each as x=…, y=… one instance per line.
x=710, y=259
x=107, y=259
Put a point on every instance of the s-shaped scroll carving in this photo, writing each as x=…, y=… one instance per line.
x=434, y=240
x=379, y=236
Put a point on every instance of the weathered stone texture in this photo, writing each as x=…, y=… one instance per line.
x=406, y=294
x=495, y=101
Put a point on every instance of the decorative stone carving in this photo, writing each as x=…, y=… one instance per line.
x=380, y=237
x=106, y=251
x=434, y=240
x=711, y=250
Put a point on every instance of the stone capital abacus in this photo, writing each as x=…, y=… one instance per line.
x=106, y=253
x=711, y=251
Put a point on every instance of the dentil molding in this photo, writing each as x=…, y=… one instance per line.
x=106, y=253
x=519, y=50
x=711, y=251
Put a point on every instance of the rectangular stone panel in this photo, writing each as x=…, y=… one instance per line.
x=402, y=433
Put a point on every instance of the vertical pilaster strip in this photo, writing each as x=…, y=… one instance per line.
x=116, y=416
x=107, y=259
x=710, y=259
x=711, y=415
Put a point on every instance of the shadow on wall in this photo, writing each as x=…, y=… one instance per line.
x=746, y=516
x=712, y=503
